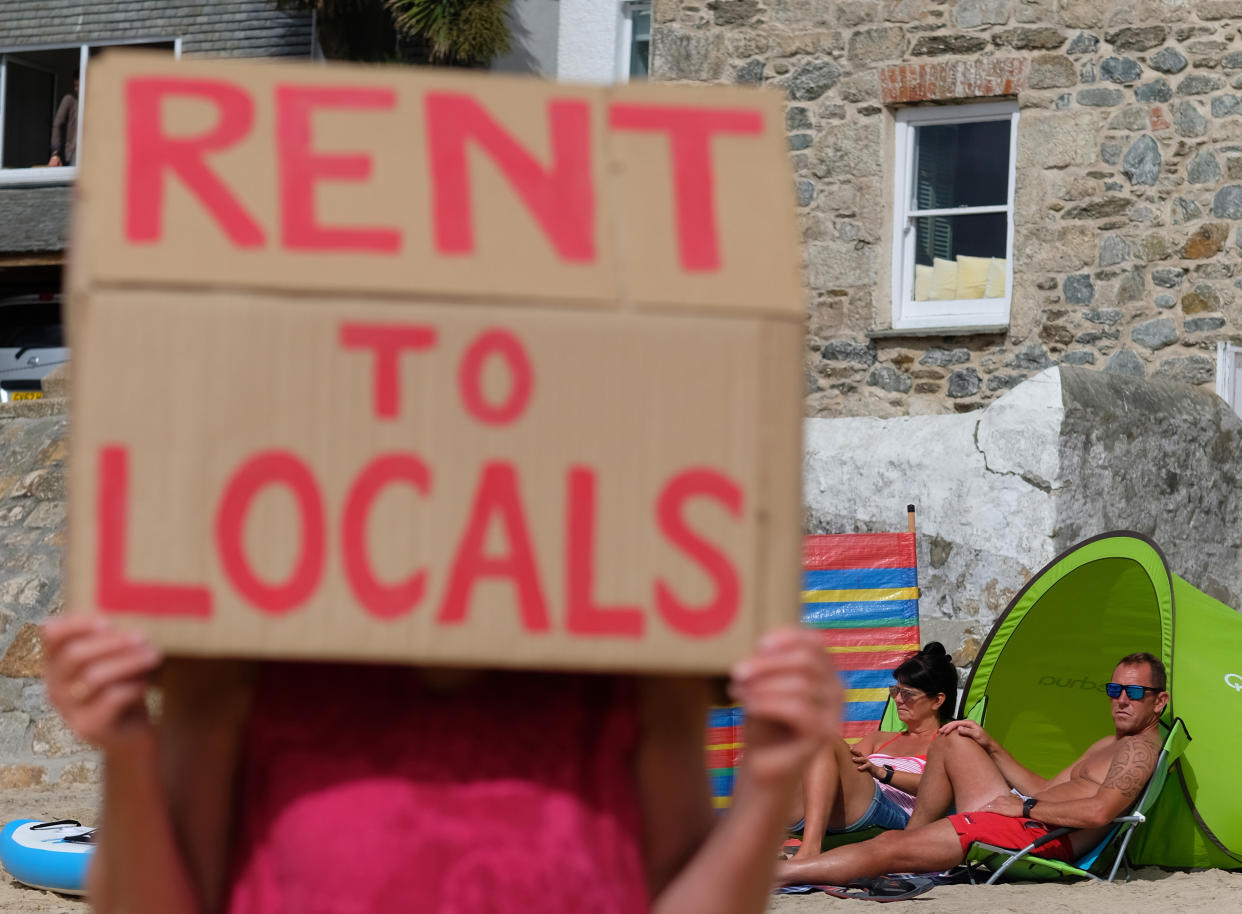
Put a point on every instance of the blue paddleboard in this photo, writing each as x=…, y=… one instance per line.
x=47, y=855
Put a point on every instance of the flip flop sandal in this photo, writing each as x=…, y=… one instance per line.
x=883, y=888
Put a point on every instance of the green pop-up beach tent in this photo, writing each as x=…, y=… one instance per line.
x=1043, y=668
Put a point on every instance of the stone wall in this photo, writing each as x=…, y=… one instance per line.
x=1129, y=184
x=35, y=747
x=1000, y=492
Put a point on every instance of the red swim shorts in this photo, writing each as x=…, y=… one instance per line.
x=1010, y=832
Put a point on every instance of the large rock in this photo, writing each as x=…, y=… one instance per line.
x=1168, y=60
x=1227, y=204
x=812, y=80
x=970, y=14
x=840, y=264
x=1142, y=161
x=1120, y=69
x=1068, y=454
x=1189, y=120
x=1051, y=71
x=1155, y=334
x=677, y=54
x=1137, y=39
x=936, y=45
x=852, y=150
x=872, y=45
x=1057, y=140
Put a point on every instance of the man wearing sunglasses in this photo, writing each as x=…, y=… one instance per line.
x=1001, y=802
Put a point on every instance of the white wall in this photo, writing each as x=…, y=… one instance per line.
x=1066, y=455
x=587, y=46
x=533, y=26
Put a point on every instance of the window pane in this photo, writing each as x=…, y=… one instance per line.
x=640, y=43
x=962, y=165
x=1236, y=355
x=35, y=84
x=959, y=257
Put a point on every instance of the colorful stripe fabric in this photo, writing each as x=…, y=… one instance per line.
x=860, y=591
x=724, y=751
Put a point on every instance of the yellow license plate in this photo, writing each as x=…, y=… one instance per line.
x=26, y=395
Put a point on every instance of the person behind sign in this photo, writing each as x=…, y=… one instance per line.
x=874, y=782
x=298, y=787
x=65, y=129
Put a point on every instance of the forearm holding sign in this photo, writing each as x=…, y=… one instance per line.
x=98, y=677
x=792, y=700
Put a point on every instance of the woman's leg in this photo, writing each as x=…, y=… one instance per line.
x=959, y=773
x=834, y=794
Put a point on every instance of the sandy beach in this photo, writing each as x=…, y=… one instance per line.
x=81, y=802
x=1151, y=891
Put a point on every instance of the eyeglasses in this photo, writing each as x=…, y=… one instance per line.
x=1133, y=692
x=907, y=695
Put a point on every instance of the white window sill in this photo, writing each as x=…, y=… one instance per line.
x=964, y=330
x=13, y=177
x=950, y=317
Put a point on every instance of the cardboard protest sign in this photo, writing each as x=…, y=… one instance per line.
x=410, y=365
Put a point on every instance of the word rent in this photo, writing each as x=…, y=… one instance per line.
x=561, y=196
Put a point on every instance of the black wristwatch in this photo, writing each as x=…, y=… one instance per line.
x=888, y=774
x=1027, y=805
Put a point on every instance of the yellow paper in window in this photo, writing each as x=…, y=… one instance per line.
x=944, y=280
x=996, y=278
x=972, y=276
x=922, y=282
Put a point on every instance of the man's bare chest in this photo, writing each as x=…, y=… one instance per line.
x=1093, y=767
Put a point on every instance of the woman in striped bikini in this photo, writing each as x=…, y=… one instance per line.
x=874, y=782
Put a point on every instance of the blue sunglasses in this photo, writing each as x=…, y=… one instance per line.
x=1133, y=692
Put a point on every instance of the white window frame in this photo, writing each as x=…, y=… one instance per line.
x=65, y=174
x=1229, y=374
x=979, y=314
x=625, y=35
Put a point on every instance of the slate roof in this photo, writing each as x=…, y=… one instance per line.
x=223, y=28
x=34, y=218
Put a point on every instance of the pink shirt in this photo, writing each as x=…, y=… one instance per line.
x=911, y=763
x=365, y=791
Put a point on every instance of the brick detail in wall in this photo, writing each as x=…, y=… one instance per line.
x=951, y=80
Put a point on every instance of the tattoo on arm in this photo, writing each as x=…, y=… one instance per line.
x=1131, y=768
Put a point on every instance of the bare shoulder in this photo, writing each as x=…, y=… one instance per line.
x=866, y=744
x=1133, y=761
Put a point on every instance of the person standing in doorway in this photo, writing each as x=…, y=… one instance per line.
x=65, y=129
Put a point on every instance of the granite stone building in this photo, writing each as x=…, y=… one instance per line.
x=991, y=187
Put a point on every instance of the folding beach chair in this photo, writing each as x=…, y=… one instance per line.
x=1026, y=864
x=860, y=590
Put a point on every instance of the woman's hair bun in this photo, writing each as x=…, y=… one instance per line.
x=931, y=670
